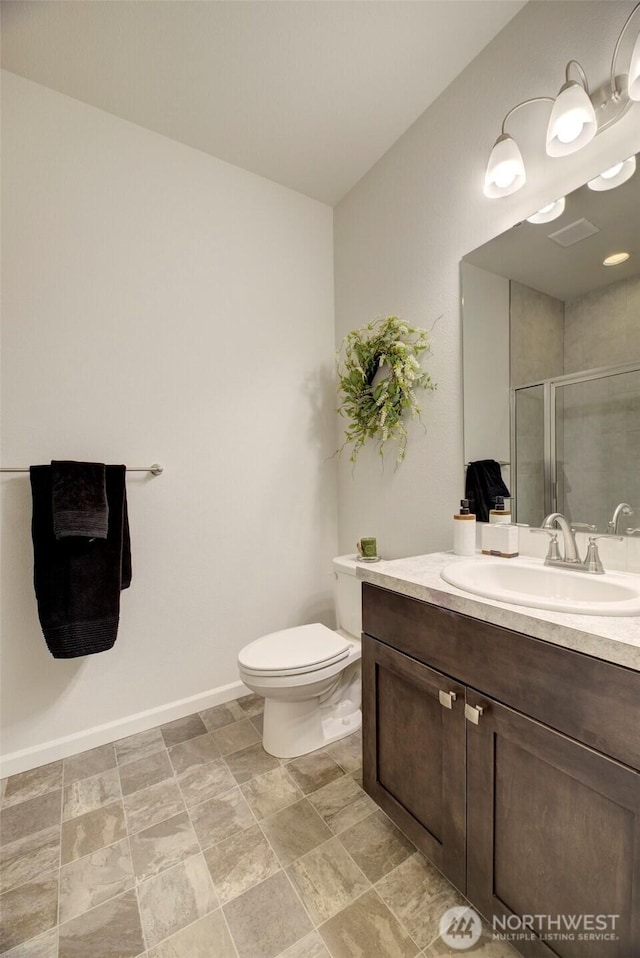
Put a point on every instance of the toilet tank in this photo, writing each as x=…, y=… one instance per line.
x=348, y=595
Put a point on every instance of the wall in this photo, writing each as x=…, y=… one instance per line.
x=602, y=418
x=537, y=352
x=602, y=328
x=401, y=232
x=485, y=363
x=537, y=335
x=161, y=305
x=599, y=457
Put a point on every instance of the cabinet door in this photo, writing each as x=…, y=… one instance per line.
x=553, y=829
x=414, y=741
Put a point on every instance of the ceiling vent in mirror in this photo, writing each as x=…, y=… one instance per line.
x=574, y=233
x=577, y=115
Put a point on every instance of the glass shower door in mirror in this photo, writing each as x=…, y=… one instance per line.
x=529, y=439
x=596, y=421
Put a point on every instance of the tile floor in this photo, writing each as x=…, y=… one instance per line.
x=190, y=841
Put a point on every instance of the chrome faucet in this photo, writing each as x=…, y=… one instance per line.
x=622, y=509
x=571, y=559
x=570, y=548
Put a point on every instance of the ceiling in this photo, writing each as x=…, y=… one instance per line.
x=526, y=254
x=308, y=93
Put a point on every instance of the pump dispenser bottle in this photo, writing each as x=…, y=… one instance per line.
x=499, y=514
x=464, y=531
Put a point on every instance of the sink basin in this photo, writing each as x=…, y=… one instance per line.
x=529, y=582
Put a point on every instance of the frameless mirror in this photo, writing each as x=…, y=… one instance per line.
x=551, y=360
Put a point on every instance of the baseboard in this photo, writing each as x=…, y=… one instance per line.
x=58, y=748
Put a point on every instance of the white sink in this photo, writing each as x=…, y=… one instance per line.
x=529, y=582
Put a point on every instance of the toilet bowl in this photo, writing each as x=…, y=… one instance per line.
x=309, y=675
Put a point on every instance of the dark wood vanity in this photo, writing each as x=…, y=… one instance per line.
x=511, y=762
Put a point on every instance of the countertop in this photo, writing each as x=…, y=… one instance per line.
x=611, y=638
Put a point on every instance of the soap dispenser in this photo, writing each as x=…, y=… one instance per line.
x=464, y=531
x=499, y=514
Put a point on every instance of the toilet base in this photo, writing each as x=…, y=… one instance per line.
x=292, y=729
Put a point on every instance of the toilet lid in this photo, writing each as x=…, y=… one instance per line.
x=294, y=651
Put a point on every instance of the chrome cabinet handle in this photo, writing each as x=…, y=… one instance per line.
x=447, y=698
x=472, y=713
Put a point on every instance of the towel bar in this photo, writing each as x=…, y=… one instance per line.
x=156, y=469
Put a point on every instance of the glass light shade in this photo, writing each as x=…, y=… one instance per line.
x=634, y=72
x=572, y=123
x=615, y=176
x=549, y=212
x=505, y=169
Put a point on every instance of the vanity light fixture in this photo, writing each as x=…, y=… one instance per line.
x=505, y=171
x=573, y=122
x=577, y=115
x=634, y=72
x=616, y=259
x=549, y=212
x=614, y=176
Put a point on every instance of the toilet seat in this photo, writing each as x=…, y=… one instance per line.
x=296, y=651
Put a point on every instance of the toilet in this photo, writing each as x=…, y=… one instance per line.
x=309, y=676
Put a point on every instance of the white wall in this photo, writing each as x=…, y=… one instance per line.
x=161, y=305
x=485, y=365
x=400, y=235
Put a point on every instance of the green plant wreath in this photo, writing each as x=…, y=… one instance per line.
x=376, y=404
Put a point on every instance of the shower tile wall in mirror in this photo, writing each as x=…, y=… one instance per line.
x=551, y=357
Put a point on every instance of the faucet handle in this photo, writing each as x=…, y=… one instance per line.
x=583, y=525
x=553, y=552
x=592, y=559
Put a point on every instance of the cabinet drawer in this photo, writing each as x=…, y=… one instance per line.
x=593, y=701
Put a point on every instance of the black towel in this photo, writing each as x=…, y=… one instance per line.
x=482, y=485
x=78, y=580
x=79, y=498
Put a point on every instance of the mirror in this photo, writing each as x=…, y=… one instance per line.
x=551, y=360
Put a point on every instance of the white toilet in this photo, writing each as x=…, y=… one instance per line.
x=309, y=676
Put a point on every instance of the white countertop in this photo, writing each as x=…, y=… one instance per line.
x=612, y=638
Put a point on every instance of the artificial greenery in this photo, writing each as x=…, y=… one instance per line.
x=376, y=410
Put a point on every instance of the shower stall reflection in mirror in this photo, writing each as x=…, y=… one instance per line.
x=575, y=446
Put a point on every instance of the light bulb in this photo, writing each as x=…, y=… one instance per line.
x=505, y=169
x=505, y=174
x=549, y=212
x=572, y=123
x=569, y=127
x=611, y=172
x=614, y=176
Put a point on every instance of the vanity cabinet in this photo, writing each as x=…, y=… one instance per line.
x=512, y=763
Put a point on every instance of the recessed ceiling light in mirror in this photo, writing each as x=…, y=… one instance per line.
x=614, y=176
x=549, y=212
x=616, y=259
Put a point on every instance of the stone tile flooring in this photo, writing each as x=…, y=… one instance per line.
x=190, y=841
